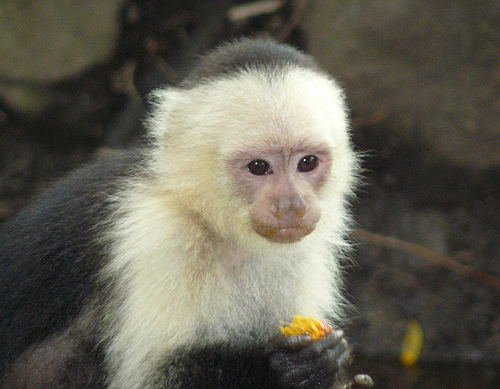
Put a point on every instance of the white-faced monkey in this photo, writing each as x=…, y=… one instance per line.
x=172, y=266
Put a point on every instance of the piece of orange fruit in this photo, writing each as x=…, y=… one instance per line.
x=304, y=325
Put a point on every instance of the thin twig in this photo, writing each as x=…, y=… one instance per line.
x=249, y=10
x=422, y=252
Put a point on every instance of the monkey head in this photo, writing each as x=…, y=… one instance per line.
x=271, y=154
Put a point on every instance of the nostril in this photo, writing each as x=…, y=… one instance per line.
x=300, y=212
x=299, y=206
x=280, y=210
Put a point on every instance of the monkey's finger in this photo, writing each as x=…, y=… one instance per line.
x=312, y=350
x=316, y=373
x=285, y=359
x=282, y=361
x=286, y=343
x=326, y=342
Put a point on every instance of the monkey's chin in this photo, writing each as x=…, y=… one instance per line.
x=283, y=235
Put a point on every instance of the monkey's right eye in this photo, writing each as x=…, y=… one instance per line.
x=258, y=167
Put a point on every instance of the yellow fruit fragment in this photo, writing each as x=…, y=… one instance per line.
x=412, y=344
x=303, y=325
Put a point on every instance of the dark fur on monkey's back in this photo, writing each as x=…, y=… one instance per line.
x=37, y=286
x=244, y=54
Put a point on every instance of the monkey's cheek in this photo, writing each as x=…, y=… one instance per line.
x=284, y=235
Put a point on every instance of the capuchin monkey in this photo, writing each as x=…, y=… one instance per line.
x=172, y=266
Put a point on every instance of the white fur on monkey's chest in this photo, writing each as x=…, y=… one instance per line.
x=176, y=302
x=189, y=308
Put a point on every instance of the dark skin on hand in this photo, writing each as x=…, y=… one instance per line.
x=301, y=362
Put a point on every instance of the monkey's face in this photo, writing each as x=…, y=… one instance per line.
x=266, y=156
x=280, y=185
x=287, y=152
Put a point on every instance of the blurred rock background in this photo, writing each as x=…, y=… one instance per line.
x=422, y=79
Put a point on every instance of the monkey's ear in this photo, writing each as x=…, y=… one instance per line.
x=162, y=103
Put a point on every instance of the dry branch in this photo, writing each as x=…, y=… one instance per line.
x=422, y=252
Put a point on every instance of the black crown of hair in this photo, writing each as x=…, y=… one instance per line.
x=233, y=57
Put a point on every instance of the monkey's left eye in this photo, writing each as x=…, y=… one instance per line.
x=307, y=163
x=258, y=167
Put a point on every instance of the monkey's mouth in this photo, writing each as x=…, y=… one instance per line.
x=285, y=234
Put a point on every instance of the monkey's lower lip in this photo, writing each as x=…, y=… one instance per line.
x=284, y=235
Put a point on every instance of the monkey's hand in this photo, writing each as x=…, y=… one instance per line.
x=300, y=362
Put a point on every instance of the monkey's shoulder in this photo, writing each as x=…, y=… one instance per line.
x=54, y=245
x=72, y=206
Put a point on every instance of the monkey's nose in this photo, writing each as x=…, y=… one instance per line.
x=290, y=208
